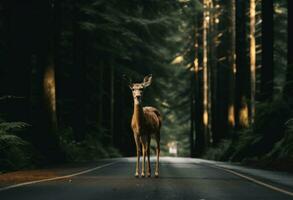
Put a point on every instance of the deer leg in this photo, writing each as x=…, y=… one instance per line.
x=148, y=157
x=143, y=154
x=137, y=156
x=158, y=156
x=143, y=162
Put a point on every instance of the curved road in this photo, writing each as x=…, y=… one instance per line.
x=179, y=179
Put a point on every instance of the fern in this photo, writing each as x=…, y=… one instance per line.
x=14, y=151
x=284, y=149
x=13, y=139
x=13, y=126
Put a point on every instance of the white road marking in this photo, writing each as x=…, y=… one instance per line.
x=57, y=178
x=254, y=180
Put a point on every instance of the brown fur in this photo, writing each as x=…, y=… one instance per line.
x=146, y=122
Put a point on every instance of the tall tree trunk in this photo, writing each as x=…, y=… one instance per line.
x=47, y=121
x=242, y=67
x=232, y=65
x=112, y=103
x=226, y=72
x=79, y=75
x=212, y=72
x=101, y=94
x=106, y=119
x=119, y=114
x=267, y=68
x=199, y=143
x=252, y=54
x=49, y=93
x=195, y=125
x=192, y=113
x=205, y=72
x=288, y=89
x=49, y=84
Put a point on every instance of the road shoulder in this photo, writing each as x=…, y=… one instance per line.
x=23, y=176
x=277, y=178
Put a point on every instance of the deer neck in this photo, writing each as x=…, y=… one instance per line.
x=137, y=117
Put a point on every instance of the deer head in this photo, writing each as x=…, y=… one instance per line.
x=138, y=88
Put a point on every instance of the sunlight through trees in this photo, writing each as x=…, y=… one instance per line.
x=222, y=76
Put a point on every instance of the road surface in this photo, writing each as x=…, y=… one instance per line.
x=179, y=179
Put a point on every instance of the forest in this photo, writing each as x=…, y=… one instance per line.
x=222, y=79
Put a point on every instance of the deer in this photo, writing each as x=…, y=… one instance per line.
x=146, y=124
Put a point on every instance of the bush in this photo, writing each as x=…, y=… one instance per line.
x=270, y=124
x=15, y=152
x=90, y=149
x=268, y=138
x=254, y=143
x=283, y=150
x=245, y=145
x=219, y=152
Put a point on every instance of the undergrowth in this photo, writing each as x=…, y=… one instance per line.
x=270, y=139
x=91, y=148
x=15, y=152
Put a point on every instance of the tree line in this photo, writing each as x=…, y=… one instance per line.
x=222, y=77
x=242, y=80
x=63, y=97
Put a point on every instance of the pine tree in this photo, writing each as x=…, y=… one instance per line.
x=242, y=67
x=267, y=70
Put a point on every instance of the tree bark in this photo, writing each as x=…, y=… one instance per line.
x=192, y=114
x=225, y=120
x=267, y=68
x=101, y=94
x=46, y=122
x=206, y=120
x=242, y=67
x=252, y=54
x=199, y=143
x=213, y=74
x=112, y=104
x=49, y=93
x=195, y=125
x=288, y=89
x=232, y=66
x=79, y=75
x=211, y=68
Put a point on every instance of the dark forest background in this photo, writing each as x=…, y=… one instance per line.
x=222, y=78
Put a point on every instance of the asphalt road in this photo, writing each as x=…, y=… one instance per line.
x=179, y=179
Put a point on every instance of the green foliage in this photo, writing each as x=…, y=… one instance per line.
x=283, y=149
x=13, y=126
x=266, y=139
x=269, y=123
x=244, y=146
x=235, y=149
x=220, y=152
x=91, y=148
x=15, y=152
x=280, y=44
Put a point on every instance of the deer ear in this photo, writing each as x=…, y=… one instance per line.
x=128, y=80
x=147, y=80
